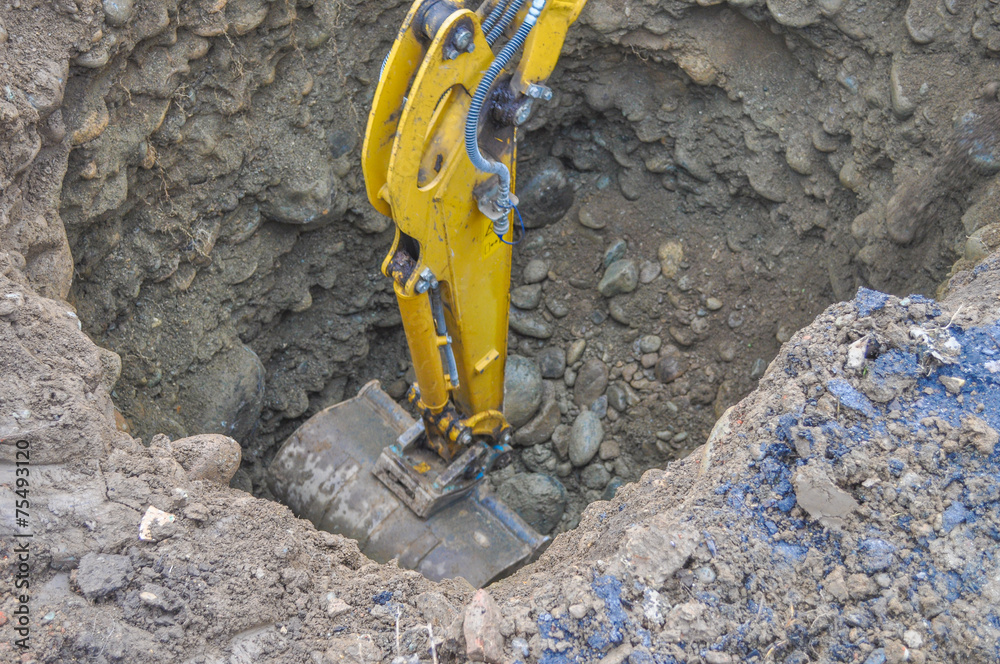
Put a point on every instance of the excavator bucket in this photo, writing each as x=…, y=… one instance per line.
x=325, y=472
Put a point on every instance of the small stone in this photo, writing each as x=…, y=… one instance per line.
x=569, y=378
x=713, y=304
x=734, y=320
x=622, y=276
x=546, y=195
x=117, y=13
x=336, y=607
x=650, y=343
x=617, y=398
x=536, y=271
x=912, y=639
x=630, y=182
x=727, y=351
x=523, y=388
x=99, y=575
x=758, y=368
x=699, y=326
x=589, y=220
x=671, y=255
x=578, y=611
x=595, y=476
x=557, y=308
x=600, y=406
x=591, y=382
x=648, y=271
x=481, y=627
x=648, y=360
x=560, y=440
x=615, y=252
x=529, y=325
x=610, y=449
x=670, y=368
x=526, y=297
x=575, y=351
x=612, y=488
x=552, y=362
x=952, y=384
x=618, y=314
x=585, y=438
x=537, y=498
x=682, y=335
x=784, y=333
x=208, y=456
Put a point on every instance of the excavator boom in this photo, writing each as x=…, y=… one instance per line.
x=439, y=159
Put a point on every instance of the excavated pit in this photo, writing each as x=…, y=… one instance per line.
x=706, y=181
x=224, y=248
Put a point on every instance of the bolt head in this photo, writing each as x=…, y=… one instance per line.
x=523, y=113
x=465, y=438
x=450, y=53
x=463, y=37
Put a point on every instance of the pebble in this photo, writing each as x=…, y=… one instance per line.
x=552, y=362
x=735, y=319
x=585, y=438
x=727, y=351
x=650, y=343
x=610, y=449
x=523, y=388
x=615, y=252
x=758, y=368
x=569, y=378
x=541, y=427
x=526, y=297
x=560, y=440
x=591, y=382
x=612, y=488
x=648, y=271
x=557, y=308
x=618, y=314
x=528, y=325
x=682, y=335
x=535, y=271
x=669, y=368
x=600, y=406
x=595, y=476
x=617, y=398
x=587, y=219
x=784, y=333
x=713, y=304
x=630, y=182
x=699, y=326
x=117, y=12
x=575, y=351
x=671, y=254
x=622, y=276
x=539, y=499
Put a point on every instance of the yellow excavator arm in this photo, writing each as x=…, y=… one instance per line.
x=438, y=158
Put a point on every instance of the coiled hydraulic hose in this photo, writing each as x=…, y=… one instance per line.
x=494, y=34
x=501, y=225
x=494, y=16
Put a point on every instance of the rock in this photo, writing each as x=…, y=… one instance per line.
x=575, y=351
x=758, y=368
x=529, y=325
x=560, y=440
x=600, y=406
x=536, y=271
x=552, y=362
x=713, y=304
x=734, y=320
x=526, y=297
x=540, y=429
x=612, y=488
x=699, y=326
x=616, y=309
x=156, y=525
x=670, y=366
x=546, y=195
x=610, y=449
x=622, y=276
x=591, y=381
x=671, y=255
x=228, y=396
x=617, y=398
x=682, y=335
x=522, y=390
x=588, y=219
x=539, y=499
x=209, y=456
x=481, y=627
x=595, y=476
x=99, y=575
x=336, y=607
x=117, y=13
x=657, y=549
x=585, y=438
x=978, y=433
x=648, y=271
x=784, y=333
x=650, y=343
x=817, y=494
x=557, y=308
x=649, y=360
x=615, y=252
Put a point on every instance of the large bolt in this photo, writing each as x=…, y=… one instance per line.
x=523, y=112
x=462, y=39
x=450, y=52
x=465, y=438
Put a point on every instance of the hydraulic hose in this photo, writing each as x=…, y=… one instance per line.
x=494, y=16
x=512, y=9
x=500, y=226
